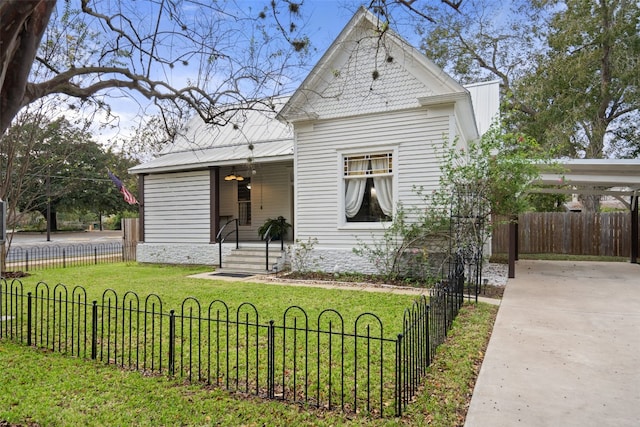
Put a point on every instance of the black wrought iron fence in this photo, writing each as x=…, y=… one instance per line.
x=321, y=361
x=29, y=258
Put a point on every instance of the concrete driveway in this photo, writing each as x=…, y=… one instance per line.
x=565, y=348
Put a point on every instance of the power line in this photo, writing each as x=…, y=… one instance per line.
x=68, y=177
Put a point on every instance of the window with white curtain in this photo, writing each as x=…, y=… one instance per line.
x=368, y=184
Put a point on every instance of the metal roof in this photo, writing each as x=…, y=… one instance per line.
x=618, y=177
x=263, y=152
x=202, y=145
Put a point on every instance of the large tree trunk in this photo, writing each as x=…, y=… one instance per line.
x=590, y=202
x=22, y=24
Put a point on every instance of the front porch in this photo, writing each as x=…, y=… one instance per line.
x=187, y=215
x=244, y=197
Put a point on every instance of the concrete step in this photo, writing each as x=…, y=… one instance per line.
x=244, y=256
x=250, y=260
x=258, y=251
x=244, y=266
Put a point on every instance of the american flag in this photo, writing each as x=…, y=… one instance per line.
x=128, y=197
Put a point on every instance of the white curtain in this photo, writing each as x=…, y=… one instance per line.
x=354, y=190
x=383, y=186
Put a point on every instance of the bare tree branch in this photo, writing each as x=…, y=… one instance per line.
x=226, y=55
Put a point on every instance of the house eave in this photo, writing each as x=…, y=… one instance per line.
x=297, y=118
x=184, y=167
x=463, y=109
x=444, y=99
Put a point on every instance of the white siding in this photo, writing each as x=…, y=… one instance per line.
x=485, y=97
x=177, y=207
x=415, y=135
x=351, y=89
x=364, y=72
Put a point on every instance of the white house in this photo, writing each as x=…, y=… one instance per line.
x=334, y=159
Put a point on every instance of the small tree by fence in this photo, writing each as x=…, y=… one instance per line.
x=573, y=233
x=323, y=362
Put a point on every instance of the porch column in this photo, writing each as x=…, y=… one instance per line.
x=141, y=207
x=634, y=229
x=214, y=202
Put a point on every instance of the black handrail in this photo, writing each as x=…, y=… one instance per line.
x=267, y=237
x=221, y=240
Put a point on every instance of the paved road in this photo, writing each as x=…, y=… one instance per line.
x=66, y=238
x=72, y=244
x=565, y=349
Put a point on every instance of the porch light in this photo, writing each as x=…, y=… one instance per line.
x=233, y=177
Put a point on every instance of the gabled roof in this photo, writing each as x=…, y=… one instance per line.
x=202, y=145
x=343, y=84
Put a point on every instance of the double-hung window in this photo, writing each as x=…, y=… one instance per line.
x=368, y=184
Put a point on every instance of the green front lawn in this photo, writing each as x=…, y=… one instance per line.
x=173, y=286
x=45, y=388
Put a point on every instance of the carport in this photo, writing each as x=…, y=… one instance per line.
x=619, y=178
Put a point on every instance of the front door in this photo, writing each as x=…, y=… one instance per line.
x=244, y=202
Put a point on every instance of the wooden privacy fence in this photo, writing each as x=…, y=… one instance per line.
x=130, y=236
x=572, y=233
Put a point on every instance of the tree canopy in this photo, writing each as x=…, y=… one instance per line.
x=585, y=86
x=568, y=68
x=51, y=163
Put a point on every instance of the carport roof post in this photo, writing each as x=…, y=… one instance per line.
x=613, y=177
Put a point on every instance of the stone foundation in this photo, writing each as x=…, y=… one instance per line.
x=334, y=260
x=179, y=253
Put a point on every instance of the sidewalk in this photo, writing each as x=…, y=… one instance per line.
x=565, y=348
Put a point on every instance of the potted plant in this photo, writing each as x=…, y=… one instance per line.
x=277, y=228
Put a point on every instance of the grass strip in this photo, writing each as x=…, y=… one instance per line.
x=453, y=373
x=503, y=258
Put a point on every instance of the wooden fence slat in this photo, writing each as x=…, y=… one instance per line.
x=130, y=233
x=572, y=233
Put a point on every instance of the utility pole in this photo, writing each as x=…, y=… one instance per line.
x=49, y=204
x=3, y=236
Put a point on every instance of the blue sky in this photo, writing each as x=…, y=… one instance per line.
x=326, y=18
x=322, y=21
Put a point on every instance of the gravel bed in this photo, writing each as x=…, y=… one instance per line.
x=494, y=274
